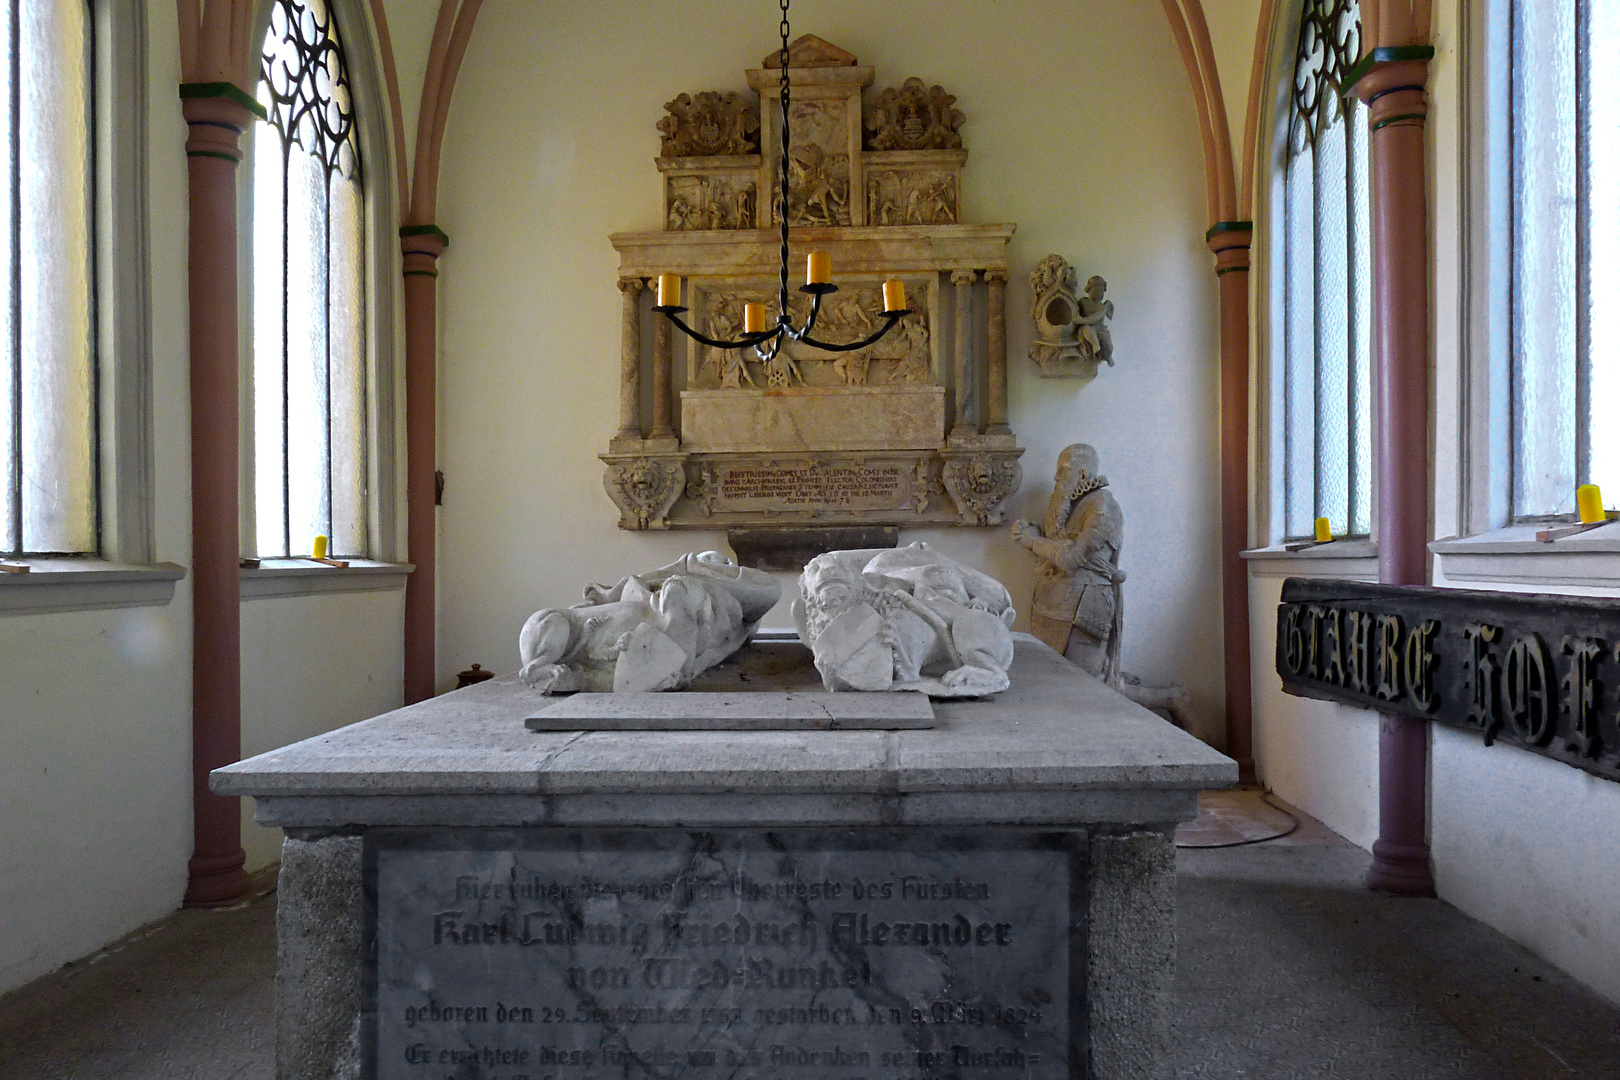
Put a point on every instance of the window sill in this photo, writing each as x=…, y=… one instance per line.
x=82, y=584
x=1514, y=556
x=1351, y=560
x=302, y=577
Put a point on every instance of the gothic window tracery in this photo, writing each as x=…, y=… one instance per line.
x=309, y=291
x=1326, y=282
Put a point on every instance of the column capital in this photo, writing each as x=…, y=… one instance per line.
x=422, y=245
x=964, y=277
x=1230, y=242
x=631, y=286
x=1391, y=82
x=216, y=115
x=995, y=276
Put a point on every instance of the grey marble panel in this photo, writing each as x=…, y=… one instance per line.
x=738, y=711
x=562, y=954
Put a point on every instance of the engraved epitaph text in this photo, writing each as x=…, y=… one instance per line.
x=578, y=955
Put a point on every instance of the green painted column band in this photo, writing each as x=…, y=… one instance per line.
x=1387, y=54
x=223, y=90
x=425, y=230
x=234, y=160
x=1232, y=270
x=1228, y=226
x=1388, y=120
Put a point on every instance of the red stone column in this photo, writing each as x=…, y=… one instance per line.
x=215, y=124
x=1230, y=240
x=421, y=245
x=1394, y=93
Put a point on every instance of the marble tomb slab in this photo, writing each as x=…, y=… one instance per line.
x=738, y=953
x=767, y=711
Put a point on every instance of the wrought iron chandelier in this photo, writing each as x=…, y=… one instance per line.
x=767, y=342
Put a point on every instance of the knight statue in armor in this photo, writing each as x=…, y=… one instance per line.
x=1079, y=604
x=652, y=631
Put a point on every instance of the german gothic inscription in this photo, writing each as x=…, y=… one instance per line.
x=827, y=955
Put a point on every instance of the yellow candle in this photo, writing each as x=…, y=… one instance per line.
x=894, y=295
x=1324, y=531
x=319, y=549
x=669, y=290
x=1589, y=501
x=818, y=268
x=753, y=317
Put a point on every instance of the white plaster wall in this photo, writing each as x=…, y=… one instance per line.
x=311, y=664
x=1320, y=756
x=95, y=706
x=1080, y=129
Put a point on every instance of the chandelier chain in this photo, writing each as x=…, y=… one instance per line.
x=782, y=167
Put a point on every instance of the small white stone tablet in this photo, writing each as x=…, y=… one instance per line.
x=745, y=711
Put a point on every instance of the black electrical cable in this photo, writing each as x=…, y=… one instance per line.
x=1265, y=797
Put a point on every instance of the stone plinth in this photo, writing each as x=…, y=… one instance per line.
x=761, y=903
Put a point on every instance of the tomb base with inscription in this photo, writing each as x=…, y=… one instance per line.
x=989, y=899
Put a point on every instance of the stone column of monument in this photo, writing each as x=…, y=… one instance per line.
x=662, y=431
x=995, y=361
x=962, y=426
x=216, y=115
x=630, y=361
x=1393, y=88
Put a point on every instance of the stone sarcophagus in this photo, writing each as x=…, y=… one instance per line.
x=909, y=431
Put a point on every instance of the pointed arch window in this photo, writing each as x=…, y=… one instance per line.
x=309, y=292
x=47, y=280
x=1326, y=301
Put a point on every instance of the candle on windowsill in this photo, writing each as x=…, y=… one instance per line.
x=1589, y=503
x=818, y=268
x=318, y=550
x=669, y=290
x=894, y=295
x=753, y=317
x=1324, y=531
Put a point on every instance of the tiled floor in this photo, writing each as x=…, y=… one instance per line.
x=1289, y=969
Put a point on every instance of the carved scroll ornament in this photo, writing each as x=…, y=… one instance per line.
x=710, y=124
x=980, y=484
x=914, y=117
x=644, y=489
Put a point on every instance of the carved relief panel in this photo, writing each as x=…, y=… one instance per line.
x=894, y=433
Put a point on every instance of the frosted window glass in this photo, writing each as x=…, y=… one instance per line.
x=1604, y=248
x=1332, y=330
x=1300, y=375
x=269, y=269
x=1544, y=271
x=309, y=294
x=1361, y=355
x=10, y=383
x=307, y=456
x=50, y=382
x=348, y=392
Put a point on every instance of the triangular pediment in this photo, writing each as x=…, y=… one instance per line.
x=810, y=51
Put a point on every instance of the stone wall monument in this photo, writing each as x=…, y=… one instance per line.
x=909, y=432
x=1071, y=326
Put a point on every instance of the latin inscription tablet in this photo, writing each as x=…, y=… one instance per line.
x=553, y=954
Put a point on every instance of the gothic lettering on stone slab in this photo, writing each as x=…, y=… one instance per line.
x=911, y=197
x=710, y=125
x=1483, y=662
x=711, y=202
x=913, y=116
x=696, y=955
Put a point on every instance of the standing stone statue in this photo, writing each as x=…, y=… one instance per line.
x=906, y=618
x=1079, y=604
x=652, y=631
